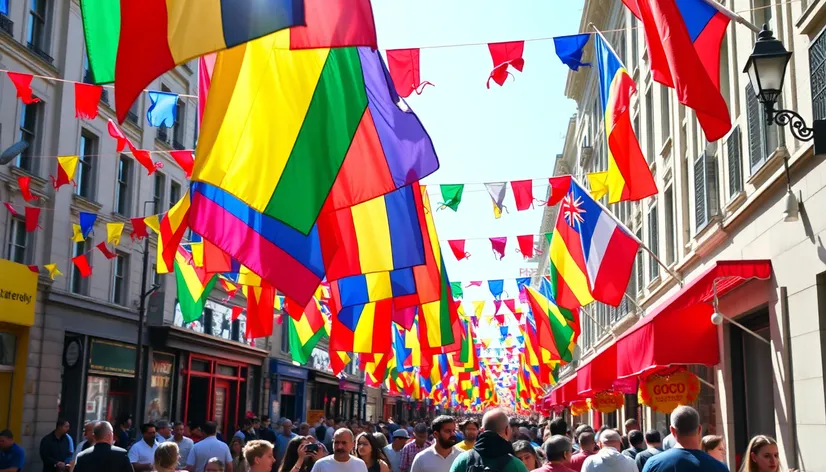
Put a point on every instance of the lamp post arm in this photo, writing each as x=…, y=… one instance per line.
x=793, y=120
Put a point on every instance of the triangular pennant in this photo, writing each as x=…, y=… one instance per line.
x=105, y=250
x=456, y=289
x=82, y=264
x=599, y=184
x=498, y=247
x=77, y=233
x=474, y=283
x=559, y=188
x=145, y=159
x=458, y=248
x=23, y=84
x=138, y=229
x=114, y=232
x=32, y=219
x=87, y=99
x=497, y=191
x=120, y=138
x=451, y=196
x=496, y=287
x=25, y=183
x=163, y=109
x=53, y=270
x=478, y=307
x=511, y=304
x=87, y=223
x=504, y=55
x=185, y=159
x=523, y=194
x=236, y=312
x=66, y=168
x=34, y=268
x=405, y=71
x=153, y=222
x=526, y=245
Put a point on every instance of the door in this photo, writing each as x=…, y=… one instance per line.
x=219, y=407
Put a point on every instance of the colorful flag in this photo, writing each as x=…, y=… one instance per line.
x=497, y=191
x=569, y=49
x=185, y=159
x=457, y=291
x=522, y=194
x=87, y=223
x=526, y=245
x=598, y=181
x=284, y=153
x=496, y=288
x=260, y=310
x=53, y=270
x=77, y=233
x=451, y=196
x=138, y=229
x=87, y=99
x=25, y=182
x=23, y=85
x=405, y=71
x=305, y=328
x=504, y=55
x=163, y=109
x=66, y=167
x=629, y=177
x=363, y=328
x=82, y=264
x=366, y=288
x=113, y=232
x=32, y=218
x=335, y=24
x=171, y=231
x=497, y=245
x=557, y=328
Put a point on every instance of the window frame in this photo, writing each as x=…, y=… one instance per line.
x=158, y=197
x=26, y=159
x=123, y=184
x=87, y=165
x=121, y=261
x=17, y=226
x=76, y=278
x=40, y=41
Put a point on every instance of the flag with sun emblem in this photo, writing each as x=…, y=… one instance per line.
x=591, y=253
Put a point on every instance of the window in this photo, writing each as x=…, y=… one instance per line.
x=156, y=277
x=160, y=187
x=80, y=285
x=85, y=174
x=705, y=189
x=762, y=138
x=122, y=197
x=119, y=282
x=665, y=110
x=285, y=337
x=29, y=121
x=19, y=241
x=670, y=233
x=174, y=193
x=37, y=38
x=635, y=41
x=179, y=128
x=649, y=124
x=735, y=162
x=653, y=242
x=638, y=263
x=817, y=76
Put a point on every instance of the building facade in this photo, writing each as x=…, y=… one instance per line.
x=724, y=201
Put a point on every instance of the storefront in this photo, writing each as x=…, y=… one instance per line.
x=352, y=399
x=110, y=380
x=18, y=296
x=288, y=391
x=373, y=409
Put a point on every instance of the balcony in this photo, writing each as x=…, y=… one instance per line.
x=6, y=25
x=40, y=53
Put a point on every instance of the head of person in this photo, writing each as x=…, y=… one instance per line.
x=631, y=424
x=636, y=439
x=587, y=441
x=653, y=438
x=214, y=465
x=331, y=422
x=287, y=427
x=164, y=429
x=89, y=432
x=399, y=439
x=367, y=448
x=291, y=454
x=256, y=423
x=258, y=455
x=559, y=448
x=714, y=446
x=559, y=427
x=103, y=432
x=525, y=451
x=265, y=421
x=304, y=429
x=444, y=430
x=6, y=439
x=148, y=432
x=381, y=440
x=762, y=455
x=236, y=447
x=686, y=428
x=470, y=429
x=610, y=438
x=178, y=430
x=342, y=444
x=124, y=421
x=209, y=428
x=496, y=421
x=166, y=456
x=420, y=434
x=61, y=427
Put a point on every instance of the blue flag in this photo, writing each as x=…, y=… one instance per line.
x=163, y=109
x=570, y=49
x=496, y=288
x=87, y=223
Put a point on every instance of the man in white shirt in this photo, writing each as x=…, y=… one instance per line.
x=393, y=451
x=208, y=448
x=142, y=453
x=440, y=456
x=164, y=431
x=609, y=458
x=184, y=443
x=341, y=460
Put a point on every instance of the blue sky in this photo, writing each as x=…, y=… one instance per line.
x=506, y=133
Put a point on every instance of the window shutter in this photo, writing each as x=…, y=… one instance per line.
x=640, y=282
x=735, y=162
x=712, y=196
x=755, y=129
x=700, y=219
x=653, y=242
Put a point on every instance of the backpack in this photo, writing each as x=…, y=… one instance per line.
x=475, y=463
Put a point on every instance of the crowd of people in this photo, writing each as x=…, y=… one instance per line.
x=494, y=443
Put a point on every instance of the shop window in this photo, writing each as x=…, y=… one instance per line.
x=228, y=371
x=108, y=397
x=8, y=347
x=199, y=365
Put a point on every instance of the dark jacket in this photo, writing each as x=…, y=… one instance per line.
x=103, y=457
x=492, y=451
x=54, y=450
x=268, y=434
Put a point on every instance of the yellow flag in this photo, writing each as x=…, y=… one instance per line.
x=478, y=307
x=53, y=270
x=197, y=250
x=77, y=234
x=113, y=232
x=248, y=277
x=599, y=184
x=153, y=222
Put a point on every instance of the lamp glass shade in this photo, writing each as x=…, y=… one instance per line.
x=770, y=72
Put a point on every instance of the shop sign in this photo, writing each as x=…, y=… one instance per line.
x=666, y=390
x=108, y=357
x=160, y=387
x=18, y=293
x=607, y=402
x=291, y=371
x=579, y=407
x=314, y=416
x=349, y=386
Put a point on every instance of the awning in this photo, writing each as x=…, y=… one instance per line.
x=598, y=373
x=564, y=392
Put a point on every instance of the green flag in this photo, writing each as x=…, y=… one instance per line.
x=189, y=283
x=101, y=25
x=451, y=196
x=301, y=352
x=456, y=288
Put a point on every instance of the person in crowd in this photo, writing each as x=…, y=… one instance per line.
x=142, y=453
x=369, y=450
x=247, y=432
x=341, y=460
x=609, y=457
x=631, y=424
x=304, y=429
x=163, y=431
x=686, y=455
x=599, y=431
x=714, y=446
x=236, y=450
x=56, y=448
x=184, y=443
x=215, y=465
x=492, y=448
x=582, y=428
x=123, y=425
x=440, y=456
x=12, y=456
x=558, y=452
x=206, y=449
x=637, y=441
x=302, y=453
x=559, y=427
x=526, y=452
x=259, y=455
x=470, y=429
x=265, y=432
x=283, y=439
x=653, y=439
x=587, y=448
x=414, y=447
x=669, y=441
x=381, y=440
x=327, y=438
x=103, y=455
x=88, y=441
x=166, y=457
x=761, y=455
x=393, y=451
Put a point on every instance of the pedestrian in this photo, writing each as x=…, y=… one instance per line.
x=184, y=443
x=762, y=455
x=215, y=464
x=56, y=448
x=142, y=453
x=283, y=439
x=393, y=451
x=265, y=432
x=587, y=448
x=637, y=442
x=559, y=427
x=207, y=448
x=301, y=455
x=103, y=455
x=411, y=449
x=583, y=428
x=163, y=431
x=304, y=429
x=686, y=455
x=166, y=457
x=609, y=457
x=714, y=446
x=236, y=450
x=524, y=450
x=653, y=439
x=341, y=460
x=369, y=450
x=88, y=441
x=558, y=452
x=258, y=455
x=440, y=456
x=492, y=448
x=470, y=430
x=12, y=456
x=123, y=425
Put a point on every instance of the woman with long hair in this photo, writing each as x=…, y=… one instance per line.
x=236, y=449
x=302, y=453
x=368, y=450
x=761, y=455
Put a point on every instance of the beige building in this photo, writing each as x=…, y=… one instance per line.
x=725, y=201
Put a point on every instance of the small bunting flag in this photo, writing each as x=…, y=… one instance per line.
x=11, y=209
x=230, y=288
x=105, y=251
x=505, y=55
x=82, y=264
x=53, y=270
x=114, y=232
x=496, y=288
x=497, y=191
x=163, y=109
x=599, y=184
x=451, y=196
x=569, y=49
x=521, y=283
x=405, y=71
x=526, y=246
x=497, y=305
x=25, y=183
x=120, y=138
x=523, y=194
x=87, y=223
x=456, y=289
x=236, y=312
x=559, y=188
x=185, y=160
x=145, y=159
x=511, y=304
x=77, y=233
x=138, y=229
x=458, y=248
x=153, y=222
x=474, y=283
x=66, y=167
x=23, y=84
x=498, y=247
x=32, y=218
x=87, y=99
x=478, y=307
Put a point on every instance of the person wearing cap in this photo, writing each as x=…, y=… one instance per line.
x=393, y=451
x=558, y=450
x=411, y=449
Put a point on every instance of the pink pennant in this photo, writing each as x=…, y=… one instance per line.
x=525, y=245
x=458, y=248
x=504, y=55
x=121, y=139
x=518, y=316
x=145, y=159
x=498, y=246
x=23, y=84
x=497, y=304
x=474, y=283
x=87, y=99
x=11, y=209
x=25, y=188
x=523, y=194
x=82, y=264
x=405, y=71
x=511, y=304
x=185, y=160
x=32, y=217
x=236, y=312
x=105, y=250
x=404, y=317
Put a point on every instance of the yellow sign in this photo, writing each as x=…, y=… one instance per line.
x=607, y=402
x=579, y=407
x=18, y=292
x=313, y=416
x=666, y=390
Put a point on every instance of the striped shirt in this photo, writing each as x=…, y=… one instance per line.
x=409, y=452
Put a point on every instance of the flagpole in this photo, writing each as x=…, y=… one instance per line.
x=608, y=44
x=734, y=16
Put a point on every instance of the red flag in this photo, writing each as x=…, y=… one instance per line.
x=216, y=260
x=25, y=188
x=230, y=289
x=185, y=160
x=145, y=159
x=23, y=84
x=121, y=138
x=34, y=269
x=105, y=250
x=559, y=188
x=404, y=317
x=500, y=319
x=497, y=305
x=337, y=364
x=206, y=64
x=523, y=194
x=504, y=55
x=260, y=310
x=525, y=245
x=87, y=99
x=82, y=265
x=498, y=246
x=32, y=216
x=138, y=229
x=236, y=312
x=458, y=248
x=11, y=209
x=405, y=71
x=511, y=304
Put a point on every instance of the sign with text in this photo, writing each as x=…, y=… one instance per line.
x=111, y=358
x=666, y=390
x=160, y=387
x=18, y=293
x=607, y=402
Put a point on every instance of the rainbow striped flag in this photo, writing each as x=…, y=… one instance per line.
x=305, y=328
x=194, y=285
